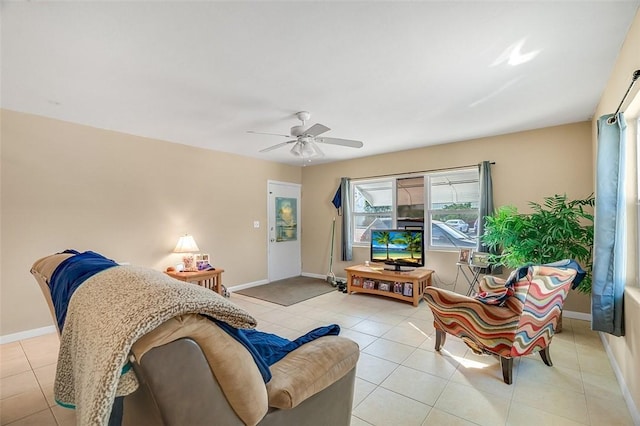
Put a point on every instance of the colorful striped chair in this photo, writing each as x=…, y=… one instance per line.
x=508, y=318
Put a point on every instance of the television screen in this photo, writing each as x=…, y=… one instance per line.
x=398, y=247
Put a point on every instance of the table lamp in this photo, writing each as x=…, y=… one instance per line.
x=186, y=244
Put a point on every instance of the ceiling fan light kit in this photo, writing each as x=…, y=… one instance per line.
x=306, y=149
x=305, y=142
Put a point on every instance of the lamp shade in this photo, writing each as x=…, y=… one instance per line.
x=186, y=244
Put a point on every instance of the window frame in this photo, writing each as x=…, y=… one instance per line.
x=354, y=214
x=428, y=210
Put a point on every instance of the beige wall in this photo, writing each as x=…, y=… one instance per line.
x=70, y=186
x=626, y=349
x=529, y=166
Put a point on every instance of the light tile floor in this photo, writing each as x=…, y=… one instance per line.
x=400, y=379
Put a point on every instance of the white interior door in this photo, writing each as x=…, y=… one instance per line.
x=284, y=230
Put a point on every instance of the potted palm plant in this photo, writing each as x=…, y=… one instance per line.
x=557, y=229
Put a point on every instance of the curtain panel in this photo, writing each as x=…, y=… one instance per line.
x=346, y=244
x=607, y=292
x=486, y=208
x=486, y=200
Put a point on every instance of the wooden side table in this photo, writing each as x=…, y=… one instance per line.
x=211, y=279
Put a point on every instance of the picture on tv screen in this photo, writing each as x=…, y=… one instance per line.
x=401, y=247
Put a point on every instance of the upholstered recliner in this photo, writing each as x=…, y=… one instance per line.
x=508, y=318
x=187, y=369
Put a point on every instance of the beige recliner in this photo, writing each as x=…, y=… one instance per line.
x=191, y=372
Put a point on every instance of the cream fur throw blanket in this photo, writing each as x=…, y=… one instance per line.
x=107, y=314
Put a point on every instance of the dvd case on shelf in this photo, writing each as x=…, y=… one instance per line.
x=407, y=289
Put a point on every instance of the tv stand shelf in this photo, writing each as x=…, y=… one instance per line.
x=389, y=283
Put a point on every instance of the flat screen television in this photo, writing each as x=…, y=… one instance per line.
x=398, y=247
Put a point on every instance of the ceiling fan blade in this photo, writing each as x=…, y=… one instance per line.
x=271, y=148
x=344, y=142
x=263, y=133
x=318, y=151
x=316, y=129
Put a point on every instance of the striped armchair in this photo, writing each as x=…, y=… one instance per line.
x=508, y=318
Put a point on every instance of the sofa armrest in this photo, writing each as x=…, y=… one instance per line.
x=42, y=270
x=230, y=363
x=309, y=369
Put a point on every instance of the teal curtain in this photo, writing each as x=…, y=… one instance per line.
x=347, y=235
x=486, y=200
x=486, y=209
x=607, y=292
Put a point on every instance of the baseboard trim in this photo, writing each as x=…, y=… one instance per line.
x=631, y=405
x=27, y=334
x=310, y=275
x=576, y=315
x=247, y=285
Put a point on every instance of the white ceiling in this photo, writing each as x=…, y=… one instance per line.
x=395, y=75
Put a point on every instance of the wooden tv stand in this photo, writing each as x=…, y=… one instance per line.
x=375, y=280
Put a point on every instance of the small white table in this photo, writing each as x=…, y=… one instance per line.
x=471, y=275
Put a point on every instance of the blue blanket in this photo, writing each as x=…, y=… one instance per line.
x=70, y=274
x=267, y=349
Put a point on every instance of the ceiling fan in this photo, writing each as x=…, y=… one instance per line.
x=306, y=140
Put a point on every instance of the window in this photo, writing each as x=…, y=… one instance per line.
x=453, y=208
x=372, y=208
x=446, y=201
x=410, y=202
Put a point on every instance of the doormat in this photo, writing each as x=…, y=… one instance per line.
x=289, y=291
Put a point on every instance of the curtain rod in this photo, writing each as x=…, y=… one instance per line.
x=422, y=171
x=634, y=77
